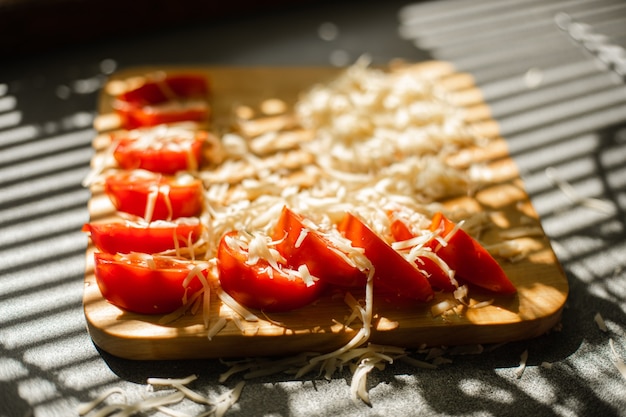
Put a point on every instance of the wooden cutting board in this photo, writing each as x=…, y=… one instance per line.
x=534, y=310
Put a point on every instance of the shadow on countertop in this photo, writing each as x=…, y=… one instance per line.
x=36, y=26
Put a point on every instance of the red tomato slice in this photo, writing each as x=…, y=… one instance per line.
x=313, y=251
x=259, y=285
x=160, y=149
x=150, y=238
x=164, y=98
x=392, y=272
x=130, y=282
x=400, y=230
x=436, y=275
x=468, y=258
x=172, y=197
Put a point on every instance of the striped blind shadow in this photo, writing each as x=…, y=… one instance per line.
x=42, y=209
x=545, y=102
x=42, y=251
x=554, y=110
x=42, y=201
x=40, y=162
x=563, y=116
x=457, y=30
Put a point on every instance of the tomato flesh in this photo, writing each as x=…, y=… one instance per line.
x=165, y=99
x=254, y=286
x=130, y=284
x=130, y=192
x=392, y=273
x=145, y=238
x=472, y=262
x=165, y=156
x=400, y=230
x=437, y=277
x=313, y=251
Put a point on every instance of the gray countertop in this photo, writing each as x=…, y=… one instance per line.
x=561, y=109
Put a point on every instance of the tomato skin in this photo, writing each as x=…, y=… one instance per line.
x=392, y=272
x=313, y=252
x=253, y=287
x=133, y=117
x=472, y=263
x=145, y=238
x=164, y=160
x=146, y=105
x=135, y=287
x=129, y=191
x=434, y=273
x=160, y=87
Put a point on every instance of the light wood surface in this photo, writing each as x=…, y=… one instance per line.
x=534, y=310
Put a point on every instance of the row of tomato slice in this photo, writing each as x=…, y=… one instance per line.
x=132, y=274
x=134, y=284
x=128, y=271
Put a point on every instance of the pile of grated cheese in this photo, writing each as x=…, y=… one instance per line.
x=376, y=140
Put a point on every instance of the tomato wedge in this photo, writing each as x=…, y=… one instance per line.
x=144, y=284
x=161, y=149
x=154, y=196
x=392, y=272
x=472, y=262
x=153, y=237
x=164, y=98
x=400, y=230
x=300, y=245
x=435, y=274
x=259, y=285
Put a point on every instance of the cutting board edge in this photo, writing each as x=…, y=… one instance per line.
x=197, y=346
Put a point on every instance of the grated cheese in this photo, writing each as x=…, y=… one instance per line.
x=217, y=406
x=442, y=307
x=306, y=276
x=153, y=194
x=235, y=306
x=172, y=381
x=127, y=410
x=570, y=192
x=482, y=304
x=519, y=371
x=85, y=408
x=303, y=234
x=600, y=322
x=216, y=327
x=617, y=360
x=366, y=142
x=164, y=190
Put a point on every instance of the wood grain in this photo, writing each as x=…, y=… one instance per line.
x=534, y=310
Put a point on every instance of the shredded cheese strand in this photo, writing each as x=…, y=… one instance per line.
x=85, y=408
x=364, y=332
